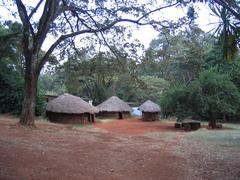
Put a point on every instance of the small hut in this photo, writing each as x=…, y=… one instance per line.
x=150, y=111
x=114, y=107
x=70, y=109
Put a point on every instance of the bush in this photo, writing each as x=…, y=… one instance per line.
x=12, y=92
x=212, y=96
x=40, y=104
x=175, y=102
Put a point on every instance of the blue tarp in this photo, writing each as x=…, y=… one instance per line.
x=136, y=112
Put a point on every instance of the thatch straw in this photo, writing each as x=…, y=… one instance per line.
x=149, y=106
x=70, y=104
x=114, y=104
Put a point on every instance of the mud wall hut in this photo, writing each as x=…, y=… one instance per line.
x=150, y=111
x=71, y=110
x=114, y=107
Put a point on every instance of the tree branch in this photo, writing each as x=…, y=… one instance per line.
x=45, y=21
x=35, y=9
x=97, y=30
x=88, y=31
x=227, y=6
x=24, y=17
x=158, y=9
x=65, y=16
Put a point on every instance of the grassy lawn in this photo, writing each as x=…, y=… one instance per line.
x=229, y=137
x=212, y=153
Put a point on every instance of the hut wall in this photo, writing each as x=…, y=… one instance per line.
x=70, y=118
x=149, y=116
x=126, y=115
x=115, y=115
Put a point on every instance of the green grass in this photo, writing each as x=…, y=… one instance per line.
x=220, y=137
x=234, y=126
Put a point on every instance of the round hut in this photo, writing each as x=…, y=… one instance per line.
x=114, y=107
x=150, y=111
x=70, y=109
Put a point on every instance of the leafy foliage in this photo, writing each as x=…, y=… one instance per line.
x=104, y=75
x=227, y=28
x=11, y=94
x=227, y=31
x=40, y=104
x=211, y=96
x=175, y=56
x=235, y=73
x=216, y=95
x=11, y=72
x=53, y=83
x=176, y=102
x=152, y=88
x=92, y=77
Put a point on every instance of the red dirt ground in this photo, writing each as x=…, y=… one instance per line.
x=135, y=126
x=115, y=150
x=118, y=150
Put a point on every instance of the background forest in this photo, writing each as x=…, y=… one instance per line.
x=187, y=71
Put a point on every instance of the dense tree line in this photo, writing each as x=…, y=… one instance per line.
x=201, y=68
x=102, y=76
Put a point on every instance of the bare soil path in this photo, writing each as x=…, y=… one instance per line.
x=54, y=151
x=136, y=126
x=118, y=150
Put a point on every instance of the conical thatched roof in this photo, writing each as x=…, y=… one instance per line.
x=114, y=104
x=149, y=106
x=68, y=103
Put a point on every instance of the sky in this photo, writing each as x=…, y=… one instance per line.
x=146, y=33
x=206, y=21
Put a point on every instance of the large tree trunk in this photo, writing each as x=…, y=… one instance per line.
x=212, y=121
x=29, y=102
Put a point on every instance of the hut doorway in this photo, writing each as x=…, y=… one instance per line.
x=89, y=117
x=120, y=115
x=92, y=118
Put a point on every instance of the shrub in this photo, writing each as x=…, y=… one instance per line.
x=12, y=92
x=40, y=104
x=175, y=102
x=212, y=96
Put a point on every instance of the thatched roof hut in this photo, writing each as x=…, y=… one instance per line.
x=49, y=97
x=149, y=106
x=68, y=108
x=114, y=106
x=150, y=111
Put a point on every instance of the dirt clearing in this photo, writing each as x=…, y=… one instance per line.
x=136, y=126
x=128, y=149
